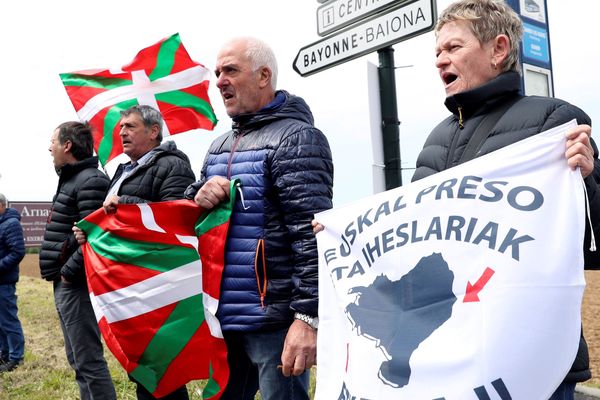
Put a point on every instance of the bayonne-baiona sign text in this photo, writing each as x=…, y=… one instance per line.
x=396, y=25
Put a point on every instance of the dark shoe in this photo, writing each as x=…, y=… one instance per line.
x=10, y=365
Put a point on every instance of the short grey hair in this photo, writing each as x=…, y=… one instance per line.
x=150, y=116
x=3, y=200
x=488, y=18
x=260, y=55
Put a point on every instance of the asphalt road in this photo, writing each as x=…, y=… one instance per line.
x=581, y=396
x=586, y=393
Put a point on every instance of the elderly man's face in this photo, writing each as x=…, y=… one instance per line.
x=136, y=139
x=238, y=83
x=463, y=63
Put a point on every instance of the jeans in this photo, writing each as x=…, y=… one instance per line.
x=12, y=341
x=254, y=362
x=566, y=391
x=82, y=341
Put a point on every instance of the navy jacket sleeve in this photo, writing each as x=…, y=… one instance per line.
x=302, y=171
x=15, y=244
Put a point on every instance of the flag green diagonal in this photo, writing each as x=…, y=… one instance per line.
x=166, y=57
x=100, y=82
x=135, y=252
x=183, y=323
x=220, y=214
x=182, y=99
x=212, y=387
x=113, y=116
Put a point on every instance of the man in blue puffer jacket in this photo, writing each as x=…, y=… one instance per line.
x=12, y=251
x=269, y=293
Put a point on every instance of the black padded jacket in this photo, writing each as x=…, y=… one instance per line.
x=164, y=176
x=81, y=190
x=528, y=116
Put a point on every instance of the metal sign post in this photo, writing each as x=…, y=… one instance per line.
x=390, y=125
x=361, y=28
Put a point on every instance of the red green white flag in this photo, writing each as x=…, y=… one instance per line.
x=162, y=76
x=154, y=275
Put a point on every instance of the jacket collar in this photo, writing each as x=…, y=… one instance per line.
x=266, y=112
x=481, y=98
x=68, y=170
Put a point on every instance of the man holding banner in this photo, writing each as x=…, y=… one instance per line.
x=155, y=172
x=512, y=292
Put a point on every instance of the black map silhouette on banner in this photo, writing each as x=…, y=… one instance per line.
x=400, y=315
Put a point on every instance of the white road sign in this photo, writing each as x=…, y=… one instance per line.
x=397, y=24
x=337, y=14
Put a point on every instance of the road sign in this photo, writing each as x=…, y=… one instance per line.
x=337, y=14
x=397, y=24
x=34, y=216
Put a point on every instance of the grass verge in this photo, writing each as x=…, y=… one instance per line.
x=45, y=373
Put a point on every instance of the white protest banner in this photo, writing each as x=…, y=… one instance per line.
x=464, y=285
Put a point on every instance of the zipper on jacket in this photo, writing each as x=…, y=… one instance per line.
x=454, y=141
x=237, y=136
x=260, y=265
x=461, y=124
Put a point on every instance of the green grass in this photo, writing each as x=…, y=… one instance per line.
x=45, y=373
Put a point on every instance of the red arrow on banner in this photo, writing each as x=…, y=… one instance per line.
x=473, y=290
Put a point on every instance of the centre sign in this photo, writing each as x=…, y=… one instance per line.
x=397, y=23
x=337, y=14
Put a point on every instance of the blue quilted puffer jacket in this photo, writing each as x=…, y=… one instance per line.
x=12, y=246
x=286, y=173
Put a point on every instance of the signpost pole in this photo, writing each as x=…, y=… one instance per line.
x=389, y=118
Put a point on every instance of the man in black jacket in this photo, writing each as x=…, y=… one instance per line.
x=81, y=189
x=269, y=291
x=155, y=172
x=12, y=251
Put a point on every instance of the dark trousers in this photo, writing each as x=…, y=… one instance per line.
x=142, y=394
x=255, y=364
x=12, y=341
x=82, y=341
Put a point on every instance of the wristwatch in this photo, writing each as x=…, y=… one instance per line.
x=313, y=322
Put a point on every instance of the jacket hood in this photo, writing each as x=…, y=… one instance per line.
x=285, y=105
x=169, y=147
x=9, y=214
x=484, y=96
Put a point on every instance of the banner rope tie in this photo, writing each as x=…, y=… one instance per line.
x=589, y=218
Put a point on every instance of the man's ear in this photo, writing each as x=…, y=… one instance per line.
x=68, y=146
x=154, y=131
x=265, y=75
x=501, y=49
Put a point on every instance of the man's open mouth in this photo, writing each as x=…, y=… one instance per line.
x=449, y=77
